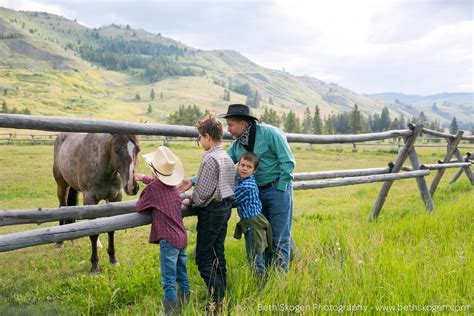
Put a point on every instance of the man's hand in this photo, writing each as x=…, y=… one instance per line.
x=185, y=185
x=186, y=202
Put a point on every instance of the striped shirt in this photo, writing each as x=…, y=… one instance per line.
x=215, y=178
x=165, y=205
x=246, y=197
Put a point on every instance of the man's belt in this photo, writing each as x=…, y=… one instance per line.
x=268, y=185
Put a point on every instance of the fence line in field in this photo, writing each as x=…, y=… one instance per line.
x=324, y=179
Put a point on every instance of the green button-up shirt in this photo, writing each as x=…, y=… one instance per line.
x=276, y=159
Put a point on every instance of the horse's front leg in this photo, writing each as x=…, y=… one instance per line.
x=90, y=199
x=62, y=192
x=111, y=248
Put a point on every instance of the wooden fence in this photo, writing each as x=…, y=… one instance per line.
x=122, y=215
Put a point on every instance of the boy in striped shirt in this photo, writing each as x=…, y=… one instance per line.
x=253, y=224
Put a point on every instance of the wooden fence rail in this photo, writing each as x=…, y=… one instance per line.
x=71, y=231
x=103, y=225
x=38, y=216
x=60, y=124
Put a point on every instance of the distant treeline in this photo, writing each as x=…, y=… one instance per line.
x=155, y=60
x=253, y=96
x=343, y=123
x=5, y=109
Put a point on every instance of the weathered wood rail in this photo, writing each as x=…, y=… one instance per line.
x=117, y=212
x=350, y=177
x=123, y=221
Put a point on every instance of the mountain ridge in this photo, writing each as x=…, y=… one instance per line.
x=43, y=42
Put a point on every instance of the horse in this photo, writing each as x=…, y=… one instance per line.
x=101, y=166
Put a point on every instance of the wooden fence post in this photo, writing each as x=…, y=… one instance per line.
x=458, y=173
x=467, y=170
x=421, y=182
x=452, y=148
x=410, y=141
x=399, y=146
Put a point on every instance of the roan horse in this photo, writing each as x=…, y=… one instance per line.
x=100, y=166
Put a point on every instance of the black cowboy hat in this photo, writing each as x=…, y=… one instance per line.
x=238, y=110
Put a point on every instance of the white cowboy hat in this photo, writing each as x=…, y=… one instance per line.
x=165, y=165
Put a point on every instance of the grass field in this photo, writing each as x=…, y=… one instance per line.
x=406, y=259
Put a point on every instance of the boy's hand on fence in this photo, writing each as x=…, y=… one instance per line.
x=139, y=176
x=185, y=185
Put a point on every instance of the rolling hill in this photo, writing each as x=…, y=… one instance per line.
x=442, y=107
x=54, y=66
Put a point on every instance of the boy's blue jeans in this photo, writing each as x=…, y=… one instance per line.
x=210, y=259
x=256, y=261
x=278, y=209
x=173, y=269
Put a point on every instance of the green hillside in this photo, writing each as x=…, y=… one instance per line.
x=50, y=65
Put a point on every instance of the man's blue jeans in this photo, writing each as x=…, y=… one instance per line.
x=256, y=261
x=278, y=209
x=211, y=231
x=173, y=269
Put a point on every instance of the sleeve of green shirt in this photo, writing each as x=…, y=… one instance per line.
x=285, y=158
x=231, y=152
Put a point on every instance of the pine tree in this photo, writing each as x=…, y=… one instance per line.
x=270, y=117
x=355, y=120
x=137, y=97
x=422, y=119
x=435, y=125
x=385, y=121
x=152, y=94
x=226, y=95
x=401, y=121
x=453, y=127
x=256, y=97
x=270, y=100
x=317, y=122
x=292, y=123
x=149, y=109
x=4, y=107
x=329, y=125
x=307, y=120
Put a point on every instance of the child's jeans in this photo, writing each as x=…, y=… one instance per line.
x=173, y=269
x=256, y=261
x=210, y=259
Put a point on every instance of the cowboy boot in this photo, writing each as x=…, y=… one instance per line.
x=183, y=297
x=171, y=307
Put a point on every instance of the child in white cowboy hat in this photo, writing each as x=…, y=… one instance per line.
x=161, y=198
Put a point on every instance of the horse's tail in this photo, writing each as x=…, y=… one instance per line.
x=71, y=201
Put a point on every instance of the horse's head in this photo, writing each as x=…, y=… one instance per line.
x=124, y=158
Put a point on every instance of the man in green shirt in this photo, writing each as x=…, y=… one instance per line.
x=274, y=175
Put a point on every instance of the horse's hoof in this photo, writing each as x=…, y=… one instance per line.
x=95, y=270
x=115, y=263
x=60, y=245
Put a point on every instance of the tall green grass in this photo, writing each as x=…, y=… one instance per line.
x=406, y=257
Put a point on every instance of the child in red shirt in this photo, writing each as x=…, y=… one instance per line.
x=161, y=198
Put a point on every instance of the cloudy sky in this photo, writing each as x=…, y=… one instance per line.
x=409, y=46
